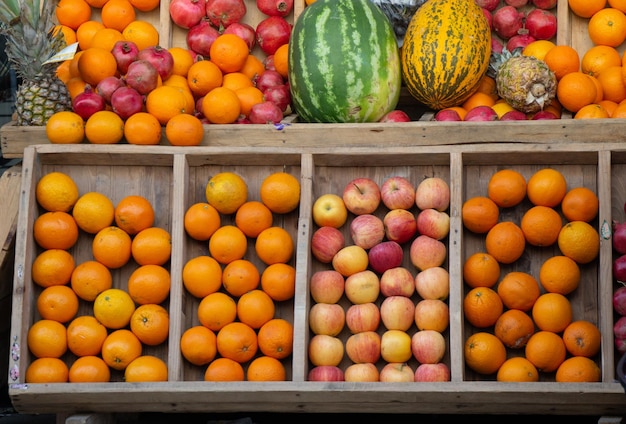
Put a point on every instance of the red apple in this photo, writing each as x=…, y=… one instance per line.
x=326, y=286
x=362, y=287
x=327, y=318
x=365, y=372
x=329, y=210
x=350, y=259
x=397, y=281
x=447, y=114
x=325, y=373
x=395, y=346
x=427, y=252
x=432, y=372
x=325, y=350
x=433, y=192
x=400, y=225
x=326, y=242
x=361, y=196
x=433, y=283
x=385, y=255
x=428, y=346
x=363, y=317
x=397, y=372
x=397, y=313
x=397, y=192
x=367, y=230
x=433, y=223
x=432, y=314
x=363, y=347
x=481, y=113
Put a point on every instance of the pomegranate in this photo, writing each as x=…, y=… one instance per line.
x=88, y=102
x=507, y=21
x=268, y=62
x=187, y=13
x=516, y=3
x=275, y=7
x=269, y=78
x=244, y=31
x=619, y=237
x=514, y=115
x=481, y=113
x=201, y=36
x=519, y=40
x=447, y=115
x=222, y=13
x=160, y=58
x=489, y=17
x=125, y=53
x=619, y=301
x=108, y=85
x=496, y=45
x=620, y=345
x=619, y=328
x=545, y=4
x=544, y=114
x=619, y=273
x=490, y=5
x=272, y=32
x=395, y=116
x=541, y=24
x=265, y=113
x=142, y=76
x=279, y=95
x=126, y=101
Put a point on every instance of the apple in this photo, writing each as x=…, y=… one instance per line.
x=433, y=283
x=325, y=350
x=326, y=242
x=397, y=281
x=362, y=287
x=397, y=372
x=361, y=195
x=327, y=318
x=432, y=314
x=397, y=192
x=385, y=255
x=427, y=252
x=364, y=372
x=326, y=286
x=325, y=373
x=363, y=317
x=397, y=313
x=395, y=346
x=428, y=346
x=400, y=225
x=432, y=193
x=350, y=259
x=364, y=347
x=367, y=230
x=432, y=372
x=433, y=223
x=329, y=210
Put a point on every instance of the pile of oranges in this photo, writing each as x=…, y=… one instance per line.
x=524, y=324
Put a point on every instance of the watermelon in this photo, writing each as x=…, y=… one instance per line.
x=344, y=63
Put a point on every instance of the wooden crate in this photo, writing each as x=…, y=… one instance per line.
x=173, y=178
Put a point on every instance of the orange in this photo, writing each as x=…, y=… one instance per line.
x=89, y=279
x=224, y=369
x=106, y=38
x=149, y=284
x=56, y=191
x=586, y=8
x=517, y=369
x=227, y=244
x=280, y=192
x=95, y=64
x=620, y=110
x=484, y=353
x=481, y=269
x=518, y=290
x=226, y=191
x=597, y=58
x=507, y=188
x=546, y=187
x=143, y=128
x=458, y=109
x=580, y=241
x=183, y=59
x=198, y=345
x=275, y=338
x=478, y=99
x=63, y=72
x=47, y=370
x=252, y=67
x=609, y=106
x=514, y=328
x=482, y=307
x=221, y=106
x=72, y=13
x=592, y=111
x=281, y=60
x=582, y=338
x=552, y=312
x=229, y=52
x=117, y=14
x=120, y=348
x=580, y=204
x=52, y=267
x=47, y=338
x=479, y=214
x=541, y=225
x=538, y=48
x=104, y=127
x=607, y=27
x=166, y=101
x=279, y=281
x=145, y=5
x=588, y=111
x=237, y=341
x=562, y=60
x=559, y=274
x=201, y=220
x=203, y=76
x=69, y=35
x=248, y=97
x=150, y=323
x=89, y=369
x=113, y=308
x=85, y=336
x=111, y=247
x=255, y=308
x=546, y=350
x=253, y=217
x=146, y=368
x=488, y=85
x=216, y=310
x=505, y=241
x=274, y=245
x=152, y=246
x=266, y=368
x=68, y=129
x=93, y=211
x=134, y=213
x=85, y=33
x=55, y=230
x=612, y=82
x=237, y=80
x=184, y=130
x=202, y=276
x=240, y=276
x=576, y=90
x=65, y=127
x=617, y=4
x=578, y=369
x=142, y=33
x=58, y=303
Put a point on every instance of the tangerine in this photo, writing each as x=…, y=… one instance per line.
x=55, y=230
x=280, y=192
x=202, y=276
x=47, y=338
x=484, y=353
x=89, y=279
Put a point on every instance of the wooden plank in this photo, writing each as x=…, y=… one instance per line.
x=10, y=184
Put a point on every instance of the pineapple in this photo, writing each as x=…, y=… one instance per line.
x=30, y=41
x=525, y=82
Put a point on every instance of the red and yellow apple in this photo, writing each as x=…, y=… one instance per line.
x=432, y=192
x=325, y=350
x=367, y=230
x=326, y=242
x=433, y=283
x=362, y=287
x=400, y=225
x=361, y=196
x=397, y=281
x=432, y=314
x=397, y=313
x=397, y=372
x=364, y=372
x=327, y=318
x=427, y=252
x=432, y=372
x=363, y=317
x=428, y=346
x=395, y=346
x=350, y=260
x=326, y=286
x=433, y=223
x=329, y=210
x=397, y=192
x=364, y=347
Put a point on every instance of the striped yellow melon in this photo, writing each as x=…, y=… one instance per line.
x=445, y=52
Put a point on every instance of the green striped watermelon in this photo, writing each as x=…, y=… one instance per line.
x=344, y=63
